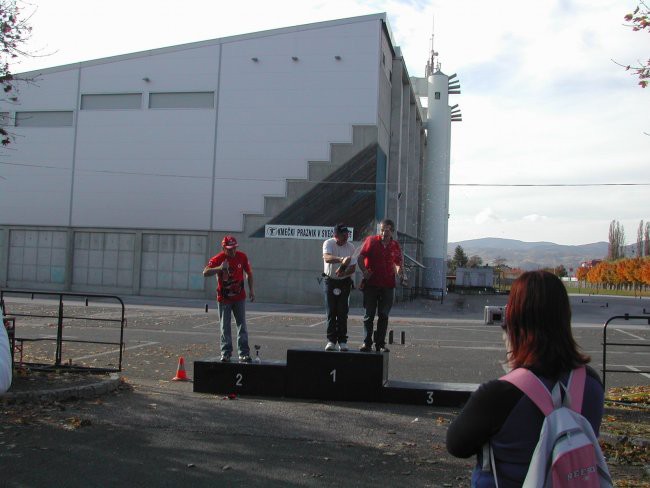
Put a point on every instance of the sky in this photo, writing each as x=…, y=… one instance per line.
x=543, y=101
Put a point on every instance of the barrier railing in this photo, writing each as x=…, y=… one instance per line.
x=19, y=342
x=605, y=343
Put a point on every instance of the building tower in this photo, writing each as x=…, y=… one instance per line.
x=437, y=87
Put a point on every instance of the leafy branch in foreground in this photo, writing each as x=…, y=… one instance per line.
x=639, y=20
x=14, y=32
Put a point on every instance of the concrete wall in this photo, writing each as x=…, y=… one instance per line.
x=303, y=127
x=196, y=168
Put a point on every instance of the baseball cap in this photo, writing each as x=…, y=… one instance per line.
x=341, y=228
x=229, y=242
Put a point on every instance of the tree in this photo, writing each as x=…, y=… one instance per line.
x=14, y=32
x=499, y=265
x=475, y=261
x=639, y=20
x=639, y=240
x=581, y=273
x=644, y=272
x=646, y=239
x=616, y=241
x=460, y=258
x=560, y=271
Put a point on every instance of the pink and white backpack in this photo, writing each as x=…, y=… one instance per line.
x=567, y=453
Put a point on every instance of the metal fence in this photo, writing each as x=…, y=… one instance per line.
x=605, y=344
x=12, y=312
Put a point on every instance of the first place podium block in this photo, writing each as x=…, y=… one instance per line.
x=329, y=375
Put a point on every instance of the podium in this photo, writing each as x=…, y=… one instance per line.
x=265, y=379
x=428, y=394
x=352, y=375
x=325, y=375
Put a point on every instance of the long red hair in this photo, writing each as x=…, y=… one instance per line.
x=538, y=325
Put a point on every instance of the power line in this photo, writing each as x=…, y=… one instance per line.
x=359, y=183
x=547, y=184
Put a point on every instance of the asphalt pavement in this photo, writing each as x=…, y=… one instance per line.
x=157, y=432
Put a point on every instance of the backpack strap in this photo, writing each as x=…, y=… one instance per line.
x=576, y=388
x=533, y=387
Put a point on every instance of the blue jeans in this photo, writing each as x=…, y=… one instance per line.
x=238, y=309
x=380, y=301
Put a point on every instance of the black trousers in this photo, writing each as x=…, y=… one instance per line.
x=337, y=300
x=376, y=301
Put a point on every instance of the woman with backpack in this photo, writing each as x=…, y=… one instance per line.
x=500, y=423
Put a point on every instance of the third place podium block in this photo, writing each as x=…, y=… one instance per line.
x=351, y=375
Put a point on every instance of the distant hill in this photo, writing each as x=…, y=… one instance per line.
x=530, y=255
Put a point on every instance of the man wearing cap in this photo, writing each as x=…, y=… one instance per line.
x=379, y=261
x=229, y=266
x=339, y=266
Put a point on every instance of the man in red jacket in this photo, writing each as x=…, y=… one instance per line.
x=229, y=266
x=380, y=260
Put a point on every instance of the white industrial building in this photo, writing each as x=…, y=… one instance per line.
x=126, y=172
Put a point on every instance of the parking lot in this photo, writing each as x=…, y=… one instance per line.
x=159, y=433
x=446, y=342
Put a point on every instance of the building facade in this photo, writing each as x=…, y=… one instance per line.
x=126, y=172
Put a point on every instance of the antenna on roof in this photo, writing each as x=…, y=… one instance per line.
x=431, y=62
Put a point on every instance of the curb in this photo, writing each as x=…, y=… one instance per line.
x=61, y=394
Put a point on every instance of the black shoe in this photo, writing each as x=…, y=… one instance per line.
x=382, y=349
x=245, y=358
x=365, y=348
x=225, y=358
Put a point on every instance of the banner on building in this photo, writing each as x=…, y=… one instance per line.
x=301, y=232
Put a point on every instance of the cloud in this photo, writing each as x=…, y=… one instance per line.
x=487, y=215
x=535, y=218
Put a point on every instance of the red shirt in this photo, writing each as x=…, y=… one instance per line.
x=230, y=287
x=380, y=261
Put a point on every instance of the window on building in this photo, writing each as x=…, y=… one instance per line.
x=37, y=256
x=112, y=101
x=173, y=262
x=6, y=119
x=103, y=259
x=44, y=119
x=437, y=95
x=182, y=100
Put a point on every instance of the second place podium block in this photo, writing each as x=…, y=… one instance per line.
x=266, y=379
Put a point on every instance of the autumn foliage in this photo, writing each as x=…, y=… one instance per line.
x=626, y=272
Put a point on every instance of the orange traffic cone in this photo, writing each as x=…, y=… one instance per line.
x=181, y=375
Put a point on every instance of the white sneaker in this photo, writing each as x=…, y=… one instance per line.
x=330, y=346
x=343, y=346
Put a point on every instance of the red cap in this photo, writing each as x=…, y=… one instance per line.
x=229, y=242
